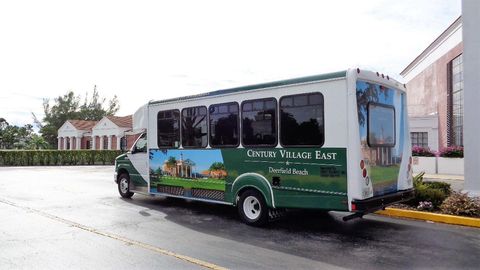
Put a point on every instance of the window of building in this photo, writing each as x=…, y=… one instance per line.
x=194, y=127
x=419, y=139
x=224, y=125
x=456, y=101
x=381, y=125
x=301, y=120
x=88, y=144
x=259, y=126
x=168, y=129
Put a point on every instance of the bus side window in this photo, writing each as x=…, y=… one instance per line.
x=224, y=125
x=168, y=129
x=194, y=127
x=259, y=126
x=301, y=120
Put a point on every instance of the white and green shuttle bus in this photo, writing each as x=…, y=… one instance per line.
x=337, y=141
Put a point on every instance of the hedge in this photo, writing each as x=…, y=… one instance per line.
x=57, y=157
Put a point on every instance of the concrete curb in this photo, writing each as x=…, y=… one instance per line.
x=448, y=219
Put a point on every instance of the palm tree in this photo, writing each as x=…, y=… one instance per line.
x=216, y=166
x=171, y=162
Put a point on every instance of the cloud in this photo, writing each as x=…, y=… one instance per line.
x=156, y=50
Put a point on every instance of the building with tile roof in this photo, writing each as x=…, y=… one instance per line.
x=108, y=133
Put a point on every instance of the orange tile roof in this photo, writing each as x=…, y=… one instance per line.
x=122, y=121
x=83, y=124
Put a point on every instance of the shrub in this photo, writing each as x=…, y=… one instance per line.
x=57, y=157
x=445, y=187
x=462, y=205
x=418, y=179
x=452, y=151
x=428, y=192
x=418, y=151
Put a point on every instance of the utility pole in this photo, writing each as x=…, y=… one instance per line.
x=471, y=71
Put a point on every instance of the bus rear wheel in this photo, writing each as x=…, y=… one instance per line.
x=252, y=208
x=124, y=186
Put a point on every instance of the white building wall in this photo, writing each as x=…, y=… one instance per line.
x=427, y=124
x=68, y=130
x=471, y=67
x=107, y=128
x=438, y=48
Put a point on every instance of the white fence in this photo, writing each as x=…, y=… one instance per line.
x=438, y=165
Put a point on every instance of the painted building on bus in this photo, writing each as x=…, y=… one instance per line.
x=435, y=91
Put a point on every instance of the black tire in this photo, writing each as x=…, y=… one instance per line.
x=252, y=208
x=124, y=186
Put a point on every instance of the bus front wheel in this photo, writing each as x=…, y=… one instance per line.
x=124, y=186
x=252, y=208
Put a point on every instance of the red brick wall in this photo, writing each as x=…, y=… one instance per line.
x=84, y=142
x=131, y=140
x=427, y=92
x=114, y=142
x=97, y=142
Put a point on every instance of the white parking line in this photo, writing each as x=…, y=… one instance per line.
x=117, y=237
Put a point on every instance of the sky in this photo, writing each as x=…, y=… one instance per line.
x=143, y=50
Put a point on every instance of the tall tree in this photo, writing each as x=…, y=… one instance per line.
x=68, y=107
x=14, y=136
x=94, y=109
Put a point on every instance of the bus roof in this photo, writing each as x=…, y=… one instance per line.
x=320, y=77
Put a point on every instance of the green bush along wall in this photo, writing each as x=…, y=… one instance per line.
x=57, y=157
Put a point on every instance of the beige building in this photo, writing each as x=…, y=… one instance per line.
x=435, y=91
x=108, y=133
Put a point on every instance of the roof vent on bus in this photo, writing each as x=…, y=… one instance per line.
x=358, y=70
x=383, y=76
x=388, y=78
x=378, y=75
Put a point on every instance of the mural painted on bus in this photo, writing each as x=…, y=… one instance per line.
x=201, y=169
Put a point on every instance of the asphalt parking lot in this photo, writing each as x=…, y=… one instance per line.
x=73, y=217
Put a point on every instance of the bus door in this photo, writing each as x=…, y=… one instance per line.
x=138, y=156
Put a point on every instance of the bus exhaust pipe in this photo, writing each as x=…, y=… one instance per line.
x=353, y=216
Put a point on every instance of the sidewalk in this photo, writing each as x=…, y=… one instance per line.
x=456, y=181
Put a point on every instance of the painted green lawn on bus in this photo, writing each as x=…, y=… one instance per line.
x=208, y=183
x=380, y=174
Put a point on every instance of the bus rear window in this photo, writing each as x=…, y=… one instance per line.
x=381, y=125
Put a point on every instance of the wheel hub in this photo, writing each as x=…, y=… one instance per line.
x=252, y=207
x=124, y=185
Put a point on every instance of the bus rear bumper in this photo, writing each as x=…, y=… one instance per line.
x=362, y=207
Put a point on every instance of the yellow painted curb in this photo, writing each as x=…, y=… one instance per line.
x=449, y=219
